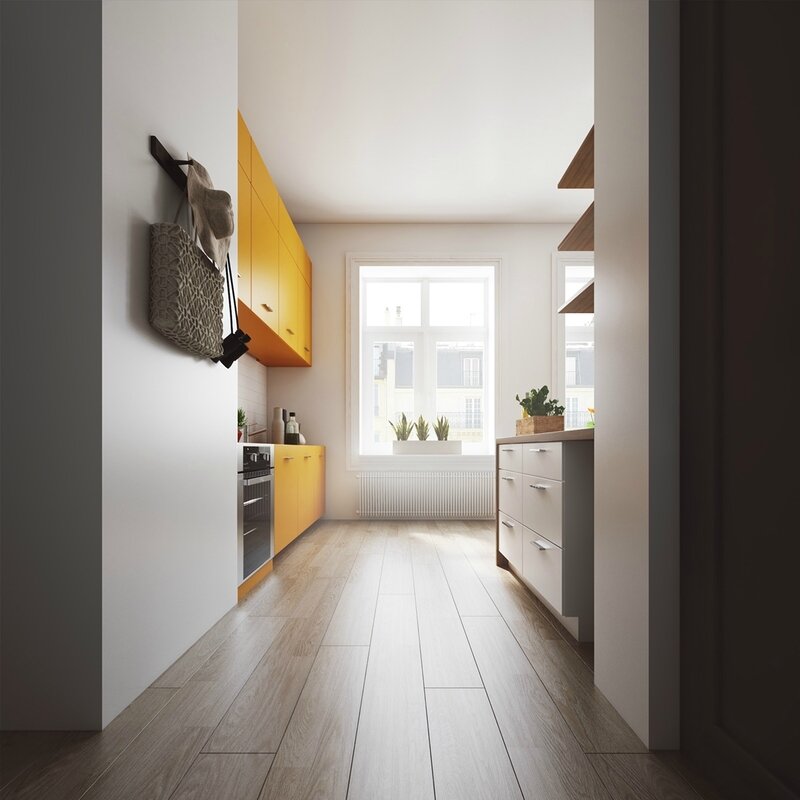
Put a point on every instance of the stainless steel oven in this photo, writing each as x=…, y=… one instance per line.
x=256, y=503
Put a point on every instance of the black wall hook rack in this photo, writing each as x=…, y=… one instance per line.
x=170, y=165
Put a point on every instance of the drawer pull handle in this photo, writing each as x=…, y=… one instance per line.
x=266, y=307
x=290, y=331
x=538, y=450
x=508, y=449
x=288, y=458
x=505, y=478
x=507, y=524
x=542, y=544
x=537, y=486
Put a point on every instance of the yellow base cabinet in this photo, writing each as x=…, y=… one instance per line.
x=299, y=490
x=275, y=282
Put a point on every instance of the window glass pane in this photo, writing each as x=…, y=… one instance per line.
x=392, y=387
x=460, y=388
x=457, y=304
x=395, y=304
x=579, y=352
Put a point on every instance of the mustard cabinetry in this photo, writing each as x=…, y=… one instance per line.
x=275, y=270
x=299, y=490
x=245, y=243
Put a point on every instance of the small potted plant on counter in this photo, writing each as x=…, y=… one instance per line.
x=539, y=415
x=422, y=445
x=241, y=423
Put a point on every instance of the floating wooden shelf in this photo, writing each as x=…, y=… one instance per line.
x=580, y=172
x=582, y=303
x=581, y=236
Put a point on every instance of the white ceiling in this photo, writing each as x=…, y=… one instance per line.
x=419, y=110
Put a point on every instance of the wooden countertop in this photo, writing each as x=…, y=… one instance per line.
x=575, y=435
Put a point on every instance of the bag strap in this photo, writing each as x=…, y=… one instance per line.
x=233, y=312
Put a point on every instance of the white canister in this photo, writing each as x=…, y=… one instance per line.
x=277, y=425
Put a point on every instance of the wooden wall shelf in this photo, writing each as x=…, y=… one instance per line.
x=581, y=236
x=582, y=303
x=580, y=172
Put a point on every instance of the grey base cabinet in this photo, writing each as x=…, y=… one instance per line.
x=545, y=524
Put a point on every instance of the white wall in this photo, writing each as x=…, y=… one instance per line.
x=169, y=441
x=317, y=394
x=636, y=534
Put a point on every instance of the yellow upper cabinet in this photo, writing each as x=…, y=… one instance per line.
x=265, y=187
x=304, y=320
x=244, y=244
x=288, y=298
x=274, y=268
x=266, y=266
x=245, y=144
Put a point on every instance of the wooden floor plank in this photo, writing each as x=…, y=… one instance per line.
x=397, y=577
x=153, y=765
x=314, y=758
x=352, y=621
x=446, y=657
x=233, y=776
x=258, y=718
x=183, y=669
x=392, y=753
x=546, y=756
x=470, y=597
x=21, y=750
x=76, y=765
x=640, y=777
x=469, y=758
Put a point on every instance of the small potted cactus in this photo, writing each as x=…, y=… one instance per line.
x=539, y=415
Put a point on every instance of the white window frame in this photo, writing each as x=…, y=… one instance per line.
x=355, y=460
x=559, y=261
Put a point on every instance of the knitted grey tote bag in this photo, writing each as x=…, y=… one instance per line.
x=186, y=291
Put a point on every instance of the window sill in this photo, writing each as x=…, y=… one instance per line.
x=421, y=463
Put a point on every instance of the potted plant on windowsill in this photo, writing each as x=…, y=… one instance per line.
x=422, y=445
x=539, y=415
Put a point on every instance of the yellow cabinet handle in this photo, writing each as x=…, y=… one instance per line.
x=307, y=349
x=289, y=330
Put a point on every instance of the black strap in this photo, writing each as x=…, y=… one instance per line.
x=233, y=313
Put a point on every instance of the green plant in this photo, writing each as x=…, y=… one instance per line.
x=441, y=428
x=241, y=418
x=536, y=403
x=403, y=429
x=423, y=429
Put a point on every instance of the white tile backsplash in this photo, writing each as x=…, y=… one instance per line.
x=253, y=395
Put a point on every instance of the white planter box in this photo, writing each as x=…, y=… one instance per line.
x=434, y=447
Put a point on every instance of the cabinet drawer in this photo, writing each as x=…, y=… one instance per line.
x=542, y=568
x=542, y=459
x=510, y=493
x=509, y=456
x=542, y=506
x=511, y=536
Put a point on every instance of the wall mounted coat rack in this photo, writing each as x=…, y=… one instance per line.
x=170, y=165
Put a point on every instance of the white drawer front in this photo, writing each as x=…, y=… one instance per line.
x=511, y=536
x=509, y=456
x=542, y=507
x=510, y=493
x=541, y=567
x=542, y=459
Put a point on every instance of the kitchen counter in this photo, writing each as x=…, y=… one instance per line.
x=575, y=435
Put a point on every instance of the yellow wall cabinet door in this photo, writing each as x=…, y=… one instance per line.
x=266, y=266
x=265, y=187
x=287, y=303
x=244, y=237
x=287, y=473
x=304, y=319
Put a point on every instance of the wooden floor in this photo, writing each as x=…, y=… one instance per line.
x=377, y=661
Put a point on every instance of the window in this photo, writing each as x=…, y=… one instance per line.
x=573, y=357
x=421, y=342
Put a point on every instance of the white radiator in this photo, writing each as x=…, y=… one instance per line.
x=426, y=495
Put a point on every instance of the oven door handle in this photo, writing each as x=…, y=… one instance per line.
x=256, y=481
